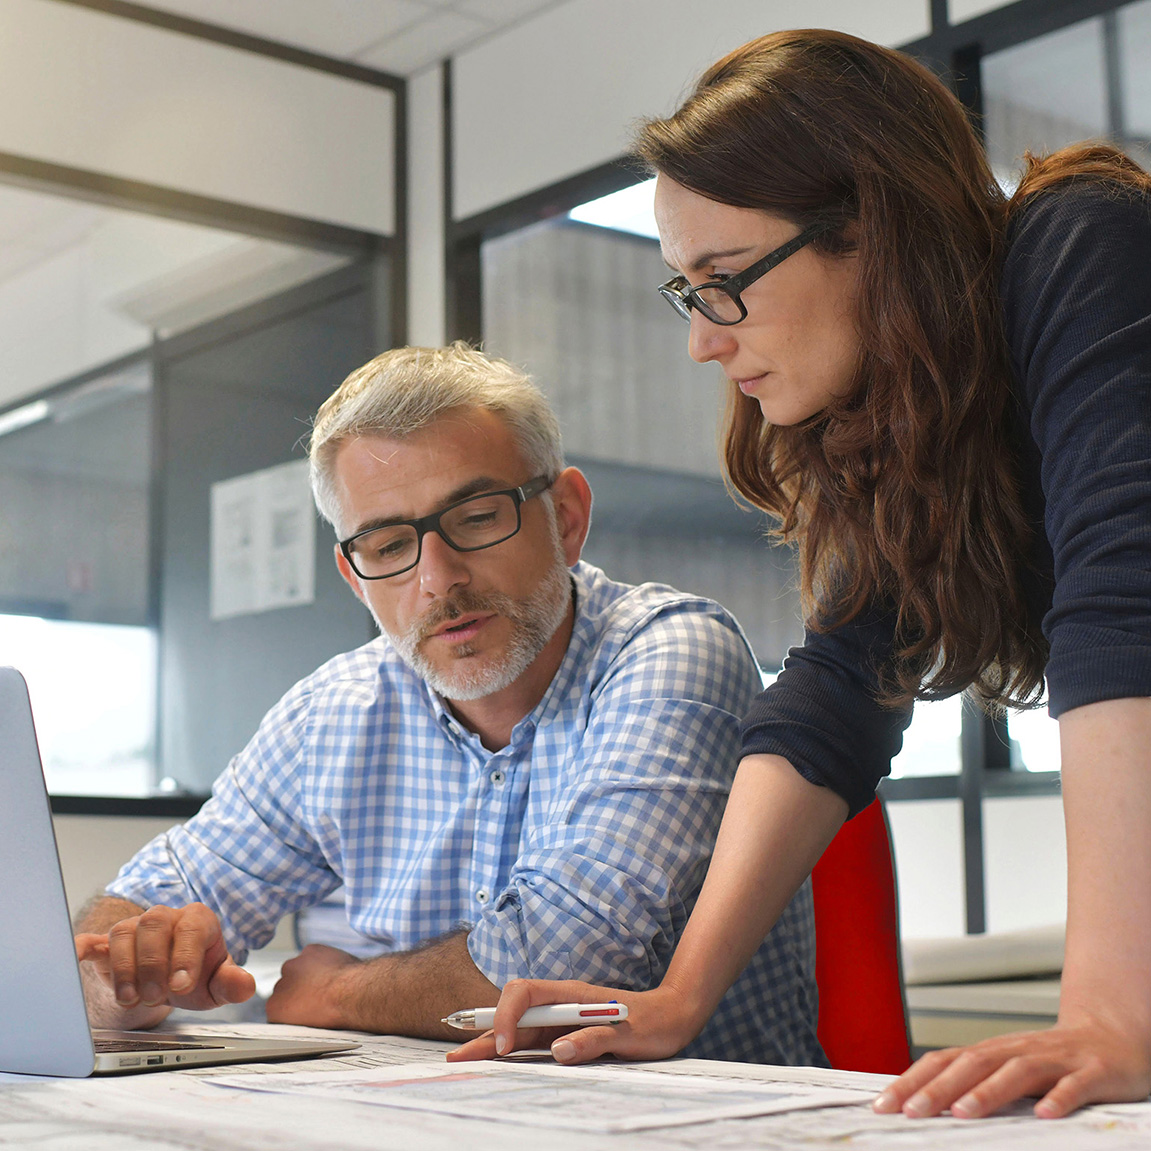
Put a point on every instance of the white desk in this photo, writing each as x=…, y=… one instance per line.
x=182, y=1111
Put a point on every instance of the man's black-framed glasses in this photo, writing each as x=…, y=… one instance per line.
x=719, y=300
x=468, y=526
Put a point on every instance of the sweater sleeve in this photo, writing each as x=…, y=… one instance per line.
x=1077, y=306
x=822, y=714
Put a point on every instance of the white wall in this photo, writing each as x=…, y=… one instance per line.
x=93, y=848
x=104, y=94
x=557, y=95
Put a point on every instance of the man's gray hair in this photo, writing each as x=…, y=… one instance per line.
x=406, y=389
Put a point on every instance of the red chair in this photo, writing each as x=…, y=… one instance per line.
x=862, y=1011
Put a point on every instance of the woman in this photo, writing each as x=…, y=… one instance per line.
x=945, y=399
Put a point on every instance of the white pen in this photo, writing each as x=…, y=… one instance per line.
x=554, y=1015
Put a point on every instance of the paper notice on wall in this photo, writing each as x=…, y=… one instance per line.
x=263, y=541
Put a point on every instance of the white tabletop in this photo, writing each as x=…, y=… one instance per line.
x=184, y=1111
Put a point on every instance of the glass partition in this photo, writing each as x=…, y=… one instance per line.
x=105, y=316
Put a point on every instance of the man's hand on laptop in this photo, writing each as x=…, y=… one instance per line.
x=154, y=960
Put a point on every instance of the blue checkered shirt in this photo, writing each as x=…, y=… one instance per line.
x=576, y=852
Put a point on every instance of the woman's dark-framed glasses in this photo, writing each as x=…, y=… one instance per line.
x=719, y=300
x=468, y=526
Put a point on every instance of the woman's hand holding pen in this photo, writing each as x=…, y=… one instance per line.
x=659, y=1024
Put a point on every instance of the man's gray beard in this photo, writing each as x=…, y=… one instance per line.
x=534, y=621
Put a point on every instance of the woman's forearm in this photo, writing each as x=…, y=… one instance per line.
x=1100, y=1049
x=1106, y=750
x=775, y=827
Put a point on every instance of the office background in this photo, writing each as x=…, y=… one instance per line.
x=210, y=212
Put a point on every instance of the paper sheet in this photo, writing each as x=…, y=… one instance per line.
x=263, y=541
x=577, y=1098
x=184, y=1111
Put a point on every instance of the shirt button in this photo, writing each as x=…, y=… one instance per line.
x=497, y=777
x=483, y=895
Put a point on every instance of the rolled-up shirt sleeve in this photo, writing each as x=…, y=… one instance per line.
x=614, y=852
x=247, y=854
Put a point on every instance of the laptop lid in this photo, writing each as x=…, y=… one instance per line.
x=43, y=1018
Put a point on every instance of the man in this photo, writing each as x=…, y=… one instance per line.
x=523, y=776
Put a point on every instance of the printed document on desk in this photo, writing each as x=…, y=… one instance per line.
x=597, y=1098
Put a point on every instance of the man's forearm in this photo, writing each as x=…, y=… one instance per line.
x=96, y=917
x=402, y=994
x=102, y=911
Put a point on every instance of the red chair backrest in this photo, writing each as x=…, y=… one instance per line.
x=862, y=1013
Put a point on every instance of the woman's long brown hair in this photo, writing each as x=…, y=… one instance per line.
x=905, y=494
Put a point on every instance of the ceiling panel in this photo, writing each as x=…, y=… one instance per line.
x=339, y=28
x=423, y=43
x=399, y=36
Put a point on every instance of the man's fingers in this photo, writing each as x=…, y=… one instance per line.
x=157, y=931
x=197, y=948
x=122, y=961
x=90, y=946
x=165, y=953
x=231, y=984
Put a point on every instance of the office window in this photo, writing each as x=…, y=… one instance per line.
x=1087, y=81
x=931, y=744
x=1034, y=740
x=93, y=691
x=1043, y=94
x=75, y=476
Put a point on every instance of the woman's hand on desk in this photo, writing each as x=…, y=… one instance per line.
x=658, y=1024
x=1070, y=1065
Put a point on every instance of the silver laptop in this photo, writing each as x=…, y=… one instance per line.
x=43, y=1021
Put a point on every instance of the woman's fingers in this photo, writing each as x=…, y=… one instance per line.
x=482, y=1047
x=590, y=1043
x=520, y=994
x=1069, y=1066
x=654, y=1029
